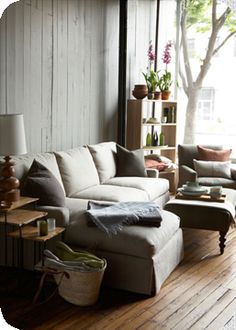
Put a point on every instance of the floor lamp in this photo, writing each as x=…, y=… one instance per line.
x=12, y=142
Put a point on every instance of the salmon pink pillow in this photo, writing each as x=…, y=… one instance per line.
x=213, y=155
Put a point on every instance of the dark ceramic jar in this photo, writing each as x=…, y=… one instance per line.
x=140, y=91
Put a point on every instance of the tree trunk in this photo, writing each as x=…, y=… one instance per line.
x=191, y=116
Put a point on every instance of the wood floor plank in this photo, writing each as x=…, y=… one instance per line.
x=199, y=294
x=223, y=318
x=214, y=311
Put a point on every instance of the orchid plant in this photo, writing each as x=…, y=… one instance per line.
x=151, y=76
x=165, y=81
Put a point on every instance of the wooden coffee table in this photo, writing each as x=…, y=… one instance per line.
x=208, y=215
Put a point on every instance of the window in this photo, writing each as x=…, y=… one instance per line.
x=206, y=104
x=191, y=47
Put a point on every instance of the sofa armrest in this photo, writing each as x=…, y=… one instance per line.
x=152, y=172
x=61, y=214
x=233, y=173
x=186, y=174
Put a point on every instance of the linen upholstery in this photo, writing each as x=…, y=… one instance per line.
x=112, y=193
x=139, y=259
x=104, y=157
x=154, y=187
x=133, y=240
x=77, y=169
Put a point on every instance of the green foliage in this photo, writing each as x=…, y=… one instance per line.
x=151, y=80
x=230, y=22
x=165, y=81
x=196, y=11
x=199, y=14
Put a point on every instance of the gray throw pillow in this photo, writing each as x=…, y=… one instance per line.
x=130, y=163
x=212, y=169
x=41, y=183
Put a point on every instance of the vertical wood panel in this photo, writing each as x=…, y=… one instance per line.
x=3, y=75
x=28, y=112
x=35, y=63
x=46, y=76
x=141, y=29
x=59, y=66
x=10, y=60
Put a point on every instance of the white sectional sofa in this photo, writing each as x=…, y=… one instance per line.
x=139, y=258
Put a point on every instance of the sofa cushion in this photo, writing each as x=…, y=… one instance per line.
x=154, y=187
x=112, y=193
x=104, y=157
x=41, y=183
x=212, y=169
x=213, y=155
x=48, y=159
x=214, y=181
x=133, y=240
x=77, y=170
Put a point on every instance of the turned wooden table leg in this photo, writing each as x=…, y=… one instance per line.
x=222, y=241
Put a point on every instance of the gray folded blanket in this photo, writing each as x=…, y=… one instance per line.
x=110, y=218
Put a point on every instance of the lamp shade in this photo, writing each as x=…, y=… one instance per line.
x=12, y=135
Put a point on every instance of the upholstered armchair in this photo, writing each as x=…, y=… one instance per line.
x=207, y=164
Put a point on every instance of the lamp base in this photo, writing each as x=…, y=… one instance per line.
x=8, y=183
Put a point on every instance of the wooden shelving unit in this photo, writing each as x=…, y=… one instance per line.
x=138, y=113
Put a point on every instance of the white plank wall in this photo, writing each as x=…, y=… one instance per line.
x=59, y=66
x=141, y=29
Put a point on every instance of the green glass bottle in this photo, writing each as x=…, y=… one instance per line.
x=162, y=139
x=148, y=140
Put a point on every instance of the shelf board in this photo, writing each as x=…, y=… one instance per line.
x=21, y=202
x=159, y=124
x=31, y=233
x=158, y=147
x=21, y=217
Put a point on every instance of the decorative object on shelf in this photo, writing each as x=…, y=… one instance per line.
x=51, y=224
x=164, y=119
x=165, y=95
x=12, y=142
x=152, y=120
x=148, y=140
x=151, y=76
x=162, y=139
x=165, y=81
x=157, y=95
x=43, y=227
x=140, y=91
x=155, y=139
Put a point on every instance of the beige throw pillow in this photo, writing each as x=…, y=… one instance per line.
x=212, y=169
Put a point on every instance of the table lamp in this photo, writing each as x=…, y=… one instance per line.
x=12, y=142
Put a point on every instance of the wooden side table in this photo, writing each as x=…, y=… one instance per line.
x=31, y=233
x=21, y=217
x=17, y=216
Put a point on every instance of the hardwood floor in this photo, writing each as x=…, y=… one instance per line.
x=199, y=294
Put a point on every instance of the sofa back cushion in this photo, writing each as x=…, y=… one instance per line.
x=77, y=170
x=104, y=157
x=24, y=162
